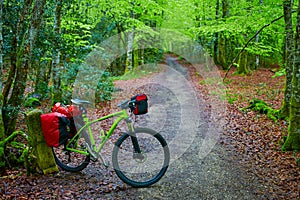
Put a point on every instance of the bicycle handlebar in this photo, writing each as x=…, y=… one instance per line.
x=80, y=102
x=123, y=104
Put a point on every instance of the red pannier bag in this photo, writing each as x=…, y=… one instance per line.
x=69, y=111
x=139, y=104
x=55, y=127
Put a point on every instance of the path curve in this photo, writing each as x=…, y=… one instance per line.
x=216, y=176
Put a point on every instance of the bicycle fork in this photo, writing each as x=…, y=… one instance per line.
x=137, y=153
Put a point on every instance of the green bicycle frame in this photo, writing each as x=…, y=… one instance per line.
x=122, y=115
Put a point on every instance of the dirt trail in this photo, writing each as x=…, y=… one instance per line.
x=217, y=175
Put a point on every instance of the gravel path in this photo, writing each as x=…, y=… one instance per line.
x=190, y=176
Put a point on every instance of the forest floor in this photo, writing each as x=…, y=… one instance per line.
x=245, y=163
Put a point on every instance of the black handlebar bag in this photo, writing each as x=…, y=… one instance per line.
x=139, y=104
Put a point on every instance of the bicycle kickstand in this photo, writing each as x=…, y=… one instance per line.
x=94, y=155
x=105, y=163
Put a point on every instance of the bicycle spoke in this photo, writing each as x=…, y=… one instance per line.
x=145, y=168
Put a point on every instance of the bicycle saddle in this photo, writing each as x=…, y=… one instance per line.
x=80, y=101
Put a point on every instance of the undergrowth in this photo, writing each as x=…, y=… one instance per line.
x=263, y=108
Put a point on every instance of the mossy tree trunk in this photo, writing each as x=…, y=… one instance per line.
x=293, y=140
x=2, y=133
x=243, y=64
x=18, y=34
x=56, y=69
x=222, y=51
x=23, y=62
x=289, y=56
x=43, y=153
x=222, y=44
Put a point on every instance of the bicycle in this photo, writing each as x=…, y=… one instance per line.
x=140, y=157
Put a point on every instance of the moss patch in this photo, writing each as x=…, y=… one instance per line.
x=263, y=108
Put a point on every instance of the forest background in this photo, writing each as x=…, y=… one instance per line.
x=43, y=44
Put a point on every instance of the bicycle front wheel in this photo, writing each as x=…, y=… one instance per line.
x=71, y=160
x=142, y=158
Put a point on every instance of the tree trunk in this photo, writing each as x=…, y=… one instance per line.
x=136, y=58
x=2, y=128
x=289, y=56
x=129, y=58
x=293, y=140
x=23, y=62
x=56, y=69
x=225, y=8
x=222, y=40
x=12, y=72
x=43, y=153
x=222, y=51
x=17, y=35
x=215, y=50
x=257, y=40
x=1, y=46
x=2, y=133
x=41, y=84
x=242, y=66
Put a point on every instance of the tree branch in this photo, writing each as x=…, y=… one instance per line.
x=254, y=36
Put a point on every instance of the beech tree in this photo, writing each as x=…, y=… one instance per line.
x=289, y=56
x=56, y=69
x=293, y=140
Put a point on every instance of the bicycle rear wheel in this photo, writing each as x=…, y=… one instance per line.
x=143, y=168
x=71, y=161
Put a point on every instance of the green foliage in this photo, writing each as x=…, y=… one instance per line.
x=105, y=28
x=68, y=78
x=32, y=102
x=279, y=73
x=153, y=55
x=263, y=108
x=244, y=20
x=105, y=88
x=232, y=98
